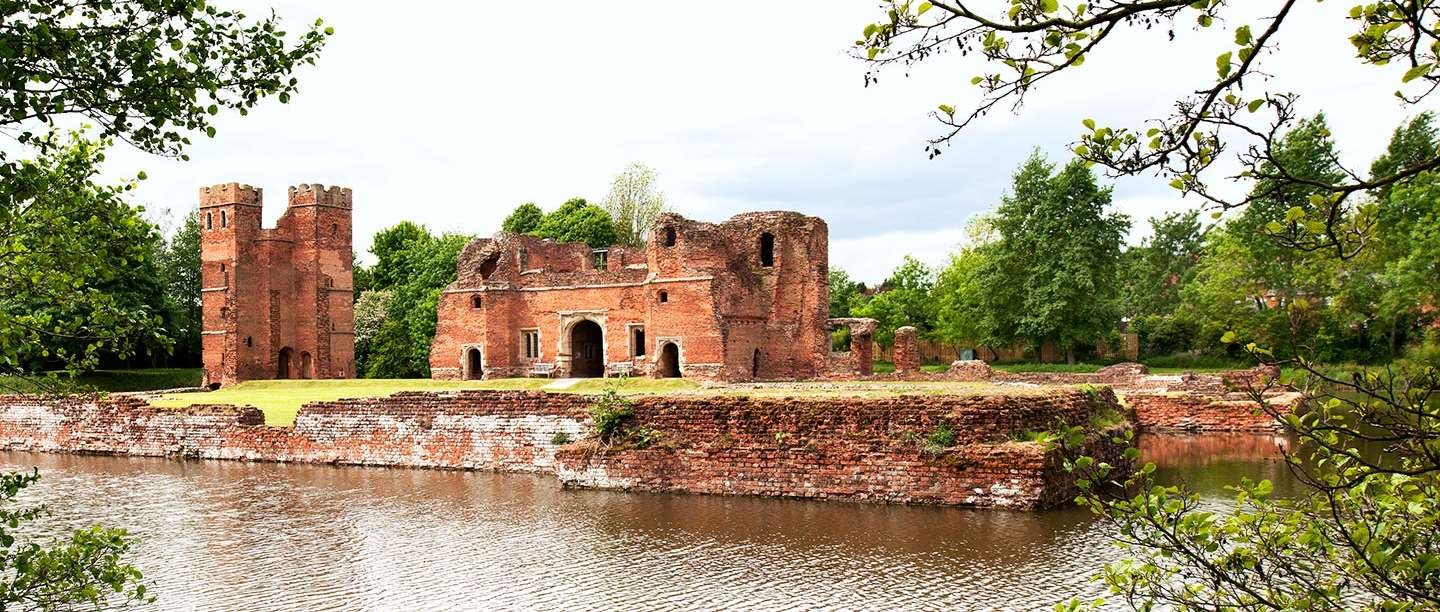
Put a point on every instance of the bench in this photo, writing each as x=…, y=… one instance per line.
x=623, y=368
x=542, y=369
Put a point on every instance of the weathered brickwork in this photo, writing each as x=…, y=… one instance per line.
x=848, y=448
x=741, y=300
x=277, y=303
x=907, y=352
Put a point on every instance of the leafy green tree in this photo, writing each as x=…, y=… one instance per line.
x=634, y=203
x=1153, y=274
x=843, y=293
x=524, y=219
x=412, y=268
x=180, y=269
x=372, y=309
x=579, y=221
x=1051, y=274
x=903, y=299
x=961, y=316
x=1363, y=536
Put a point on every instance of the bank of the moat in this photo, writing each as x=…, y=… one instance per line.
x=968, y=450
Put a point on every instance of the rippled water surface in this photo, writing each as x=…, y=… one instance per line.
x=236, y=536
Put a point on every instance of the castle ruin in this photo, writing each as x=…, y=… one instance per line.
x=277, y=302
x=741, y=300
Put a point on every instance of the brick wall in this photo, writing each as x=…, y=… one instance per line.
x=838, y=448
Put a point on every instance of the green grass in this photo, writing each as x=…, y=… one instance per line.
x=151, y=379
x=1064, y=368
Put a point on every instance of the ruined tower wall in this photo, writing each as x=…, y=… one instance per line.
x=276, y=302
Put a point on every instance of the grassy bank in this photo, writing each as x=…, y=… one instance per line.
x=112, y=380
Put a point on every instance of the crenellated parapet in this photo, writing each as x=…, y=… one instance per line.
x=316, y=194
x=227, y=194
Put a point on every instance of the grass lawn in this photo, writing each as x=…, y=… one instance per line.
x=282, y=399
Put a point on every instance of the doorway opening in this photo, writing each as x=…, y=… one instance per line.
x=669, y=366
x=587, y=342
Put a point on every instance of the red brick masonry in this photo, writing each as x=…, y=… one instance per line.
x=854, y=449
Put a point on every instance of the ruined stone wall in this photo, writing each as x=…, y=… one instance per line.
x=846, y=449
x=738, y=300
x=278, y=301
x=842, y=448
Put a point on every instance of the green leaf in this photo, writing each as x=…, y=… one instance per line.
x=1416, y=72
x=1089, y=124
x=947, y=109
x=920, y=10
x=1222, y=64
x=1255, y=104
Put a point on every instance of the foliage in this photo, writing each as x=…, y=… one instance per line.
x=844, y=293
x=1153, y=274
x=69, y=243
x=560, y=438
x=84, y=571
x=412, y=267
x=1302, y=254
x=608, y=412
x=154, y=73
x=634, y=204
x=903, y=299
x=578, y=221
x=960, y=312
x=180, y=270
x=1035, y=285
x=524, y=219
x=938, y=440
x=372, y=308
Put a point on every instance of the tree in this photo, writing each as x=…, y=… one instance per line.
x=634, y=203
x=524, y=219
x=149, y=72
x=579, y=221
x=843, y=293
x=1154, y=273
x=412, y=267
x=903, y=299
x=961, y=316
x=69, y=242
x=1051, y=273
x=1364, y=536
x=180, y=267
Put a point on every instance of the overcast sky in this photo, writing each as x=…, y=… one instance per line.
x=450, y=114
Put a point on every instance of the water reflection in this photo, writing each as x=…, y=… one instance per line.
x=221, y=535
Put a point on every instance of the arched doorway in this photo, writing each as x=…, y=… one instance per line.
x=587, y=343
x=306, y=366
x=473, y=370
x=755, y=365
x=669, y=366
x=283, y=371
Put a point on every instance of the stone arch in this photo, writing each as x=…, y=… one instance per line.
x=282, y=366
x=472, y=366
x=307, y=365
x=668, y=362
x=585, y=343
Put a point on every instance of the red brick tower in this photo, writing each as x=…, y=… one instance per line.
x=276, y=302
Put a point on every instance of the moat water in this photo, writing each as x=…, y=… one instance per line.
x=235, y=536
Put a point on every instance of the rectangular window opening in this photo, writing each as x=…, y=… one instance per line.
x=530, y=340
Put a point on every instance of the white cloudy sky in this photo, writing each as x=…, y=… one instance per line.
x=450, y=114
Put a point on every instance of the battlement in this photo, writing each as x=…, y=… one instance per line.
x=316, y=194
x=226, y=194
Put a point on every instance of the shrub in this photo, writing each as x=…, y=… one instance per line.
x=560, y=438
x=943, y=437
x=608, y=411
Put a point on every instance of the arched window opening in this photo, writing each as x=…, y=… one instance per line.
x=334, y=230
x=755, y=365
x=669, y=236
x=282, y=370
x=209, y=221
x=475, y=301
x=249, y=341
x=767, y=250
x=664, y=296
x=224, y=219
